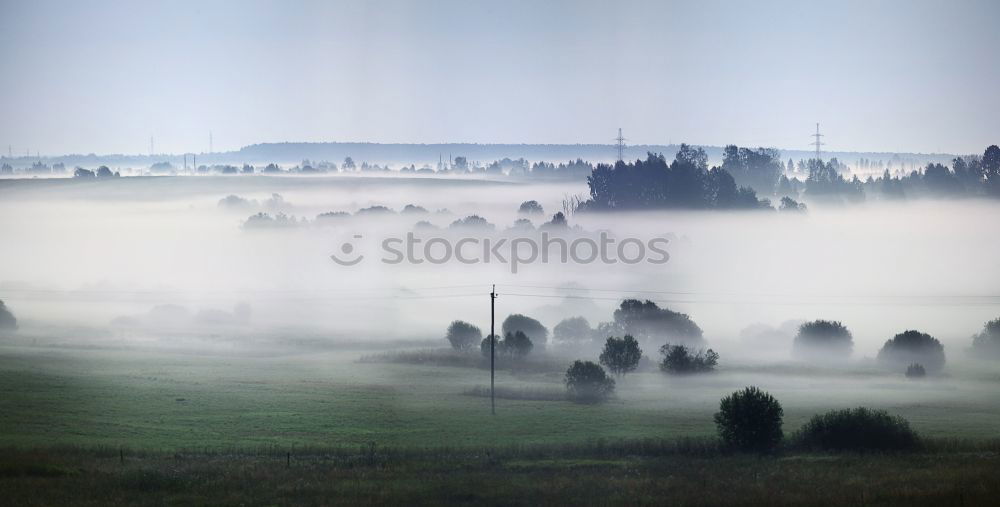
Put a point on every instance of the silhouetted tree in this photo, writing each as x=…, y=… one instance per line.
x=472, y=222
x=463, y=335
x=517, y=345
x=991, y=169
x=647, y=321
x=911, y=347
x=678, y=359
x=7, y=320
x=823, y=340
x=586, y=382
x=530, y=208
x=557, y=223
x=484, y=346
x=757, y=169
x=621, y=355
x=653, y=184
x=413, y=209
x=940, y=181
x=750, y=420
x=987, y=343
x=529, y=326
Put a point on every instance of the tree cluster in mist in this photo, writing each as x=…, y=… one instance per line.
x=688, y=183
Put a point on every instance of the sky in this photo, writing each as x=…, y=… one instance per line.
x=105, y=76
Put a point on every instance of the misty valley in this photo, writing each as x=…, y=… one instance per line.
x=256, y=317
x=505, y=253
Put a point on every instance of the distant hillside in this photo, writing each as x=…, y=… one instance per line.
x=398, y=154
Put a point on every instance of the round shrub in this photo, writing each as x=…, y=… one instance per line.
x=750, y=420
x=857, y=429
x=586, y=382
x=911, y=347
x=823, y=340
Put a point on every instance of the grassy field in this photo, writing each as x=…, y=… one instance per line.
x=89, y=478
x=147, y=426
x=149, y=399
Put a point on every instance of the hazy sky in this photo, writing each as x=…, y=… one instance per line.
x=878, y=75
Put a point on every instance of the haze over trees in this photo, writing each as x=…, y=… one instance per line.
x=648, y=322
x=7, y=319
x=823, y=341
x=573, y=333
x=911, y=347
x=685, y=183
x=678, y=359
x=916, y=371
x=516, y=345
x=621, y=355
x=462, y=335
x=531, y=208
x=758, y=169
x=586, y=382
x=986, y=344
x=531, y=328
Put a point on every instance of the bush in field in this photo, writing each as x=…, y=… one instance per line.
x=857, y=429
x=987, y=343
x=750, y=420
x=915, y=370
x=7, y=320
x=527, y=325
x=911, y=347
x=462, y=335
x=681, y=359
x=586, y=382
x=516, y=345
x=621, y=355
x=823, y=340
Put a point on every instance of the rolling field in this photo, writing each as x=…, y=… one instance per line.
x=157, y=400
x=96, y=426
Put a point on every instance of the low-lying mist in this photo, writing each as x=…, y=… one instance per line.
x=137, y=258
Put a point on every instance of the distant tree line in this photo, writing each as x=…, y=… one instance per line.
x=685, y=183
x=688, y=183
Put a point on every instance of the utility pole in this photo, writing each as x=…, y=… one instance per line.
x=493, y=344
